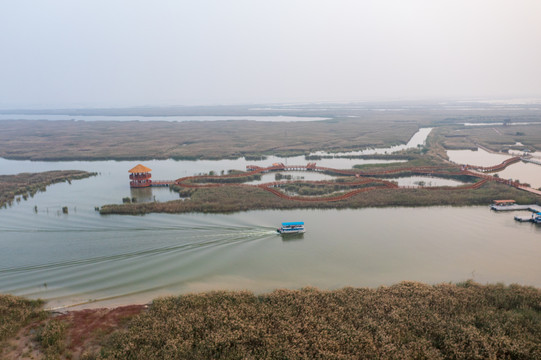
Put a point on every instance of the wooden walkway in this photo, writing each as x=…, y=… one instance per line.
x=365, y=177
x=495, y=168
x=161, y=183
x=369, y=179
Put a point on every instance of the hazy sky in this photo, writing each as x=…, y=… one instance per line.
x=65, y=53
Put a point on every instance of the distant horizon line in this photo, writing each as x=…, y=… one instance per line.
x=519, y=100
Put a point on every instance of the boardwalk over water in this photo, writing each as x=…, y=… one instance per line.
x=495, y=168
x=162, y=183
x=367, y=177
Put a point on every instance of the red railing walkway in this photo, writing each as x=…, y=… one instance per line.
x=365, y=175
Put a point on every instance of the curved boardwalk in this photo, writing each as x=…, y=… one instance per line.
x=364, y=178
x=495, y=168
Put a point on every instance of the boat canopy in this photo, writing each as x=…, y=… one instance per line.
x=504, y=202
x=293, y=223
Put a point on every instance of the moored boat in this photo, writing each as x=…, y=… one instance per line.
x=294, y=227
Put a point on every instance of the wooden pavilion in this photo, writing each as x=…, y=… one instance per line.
x=140, y=176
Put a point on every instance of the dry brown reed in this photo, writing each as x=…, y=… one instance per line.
x=236, y=198
x=191, y=140
x=405, y=321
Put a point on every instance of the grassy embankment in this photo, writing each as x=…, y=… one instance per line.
x=27, y=184
x=407, y=320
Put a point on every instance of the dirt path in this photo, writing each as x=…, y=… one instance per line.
x=84, y=330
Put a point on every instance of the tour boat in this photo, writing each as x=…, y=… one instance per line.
x=295, y=227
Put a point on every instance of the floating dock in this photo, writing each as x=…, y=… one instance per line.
x=530, y=160
x=524, y=219
x=533, y=208
x=509, y=205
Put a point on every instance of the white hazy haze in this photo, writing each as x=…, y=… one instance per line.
x=65, y=53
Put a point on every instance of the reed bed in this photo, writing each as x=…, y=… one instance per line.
x=405, y=321
x=320, y=189
x=28, y=184
x=408, y=320
x=496, y=138
x=192, y=140
x=226, y=199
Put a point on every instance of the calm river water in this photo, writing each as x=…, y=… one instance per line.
x=85, y=258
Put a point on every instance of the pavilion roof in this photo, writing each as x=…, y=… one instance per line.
x=140, y=169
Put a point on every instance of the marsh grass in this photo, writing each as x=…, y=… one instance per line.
x=316, y=189
x=28, y=184
x=408, y=320
x=496, y=138
x=193, y=140
x=227, y=180
x=232, y=199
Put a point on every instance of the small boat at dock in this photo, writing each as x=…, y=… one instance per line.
x=295, y=227
x=535, y=218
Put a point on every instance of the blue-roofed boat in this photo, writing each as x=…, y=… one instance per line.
x=294, y=227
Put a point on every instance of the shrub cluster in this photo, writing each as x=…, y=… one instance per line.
x=15, y=312
x=51, y=337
